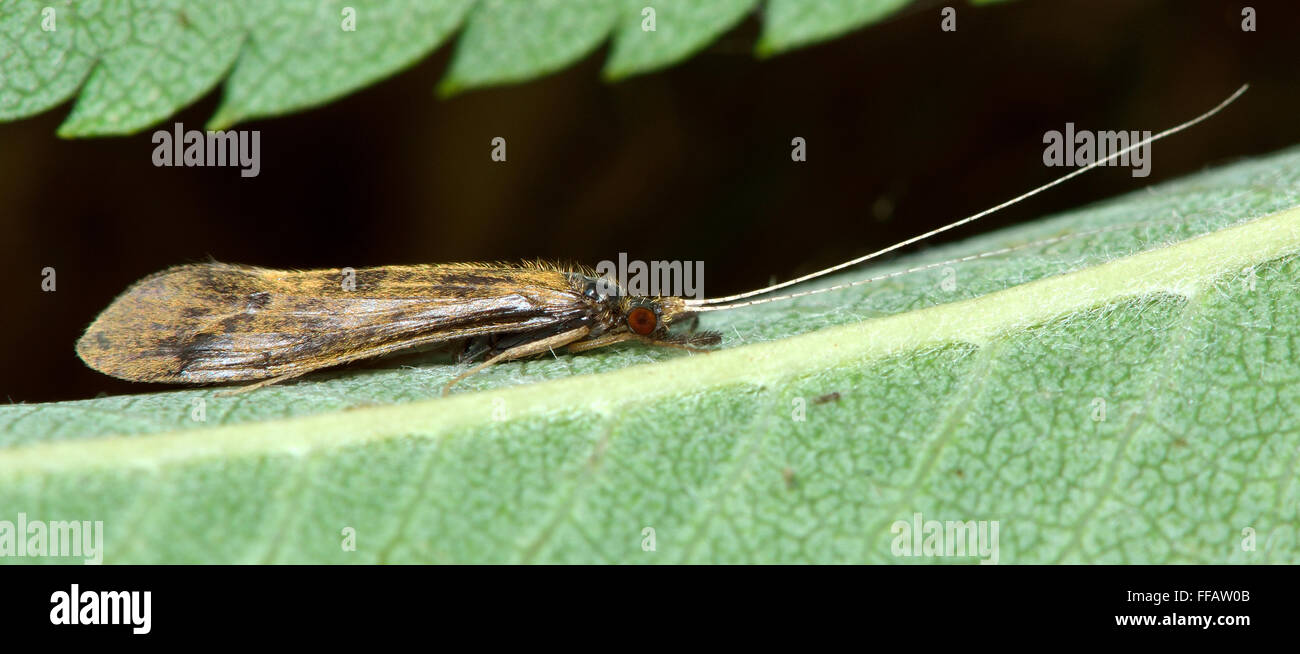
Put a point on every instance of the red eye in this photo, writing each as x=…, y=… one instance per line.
x=642, y=321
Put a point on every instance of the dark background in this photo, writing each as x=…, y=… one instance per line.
x=907, y=127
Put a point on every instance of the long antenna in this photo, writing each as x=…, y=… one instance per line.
x=698, y=305
x=940, y=264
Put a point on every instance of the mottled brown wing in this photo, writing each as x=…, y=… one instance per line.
x=218, y=322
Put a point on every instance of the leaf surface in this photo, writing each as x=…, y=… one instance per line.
x=133, y=63
x=1126, y=395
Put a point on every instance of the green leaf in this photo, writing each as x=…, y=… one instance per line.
x=170, y=55
x=1128, y=394
x=793, y=23
x=301, y=53
x=515, y=40
x=681, y=28
x=139, y=63
x=136, y=62
x=40, y=68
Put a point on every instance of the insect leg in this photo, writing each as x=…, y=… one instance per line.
x=686, y=342
x=265, y=382
x=527, y=349
x=600, y=341
x=477, y=346
x=676, y=345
